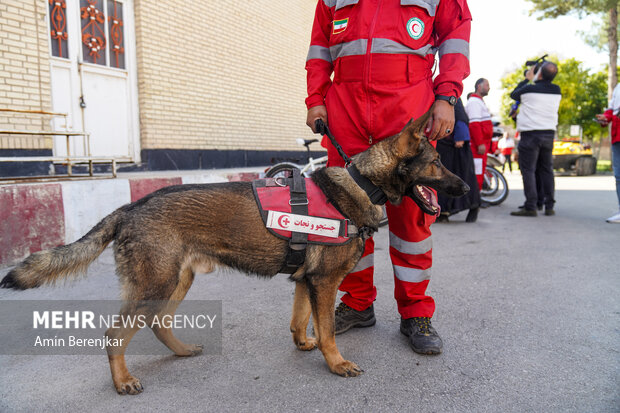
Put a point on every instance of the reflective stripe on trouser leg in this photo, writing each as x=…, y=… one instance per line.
x=476, y=155
x=358, y=285
x=411, y=251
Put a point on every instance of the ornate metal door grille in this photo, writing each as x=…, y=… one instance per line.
x=58, y=28
x=102, y=44
x=95, y=32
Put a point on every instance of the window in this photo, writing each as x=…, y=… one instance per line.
x=58, y=28
x=95, y=32
x=115, y=27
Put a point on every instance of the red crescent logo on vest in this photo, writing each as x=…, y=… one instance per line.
x=283, y=221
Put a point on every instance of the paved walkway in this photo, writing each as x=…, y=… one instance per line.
x=528, y=309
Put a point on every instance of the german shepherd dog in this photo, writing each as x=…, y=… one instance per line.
x=163, y=239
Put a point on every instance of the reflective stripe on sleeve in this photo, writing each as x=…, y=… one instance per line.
x=344, y=3
x=429, y=5
x=356, y=47
x=411, y=248
x=391, y=47
x=454, y=46
x=319, y=52
x=364, y=263
x=411, y=275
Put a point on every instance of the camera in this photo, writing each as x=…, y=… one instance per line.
x=536, y=63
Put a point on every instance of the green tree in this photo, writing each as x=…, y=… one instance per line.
x=556, y=8
x=583, y=96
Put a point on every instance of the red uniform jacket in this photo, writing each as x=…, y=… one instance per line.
x=480, y=124
x=381, y=54
x=615, y=125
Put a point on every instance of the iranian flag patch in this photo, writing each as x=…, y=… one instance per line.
x=340, y=25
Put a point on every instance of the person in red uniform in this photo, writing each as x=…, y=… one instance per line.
x=480, y=127
x=612, y=115
x=381, y=54
x=506, y=145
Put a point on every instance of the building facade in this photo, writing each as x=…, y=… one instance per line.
x=159, y=83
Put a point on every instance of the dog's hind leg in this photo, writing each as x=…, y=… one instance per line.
x=164, y=334
x=124, y=382
x=301, y=315
x=323, y=291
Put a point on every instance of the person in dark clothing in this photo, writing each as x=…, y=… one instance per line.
x=456, y=155
x=536, y=122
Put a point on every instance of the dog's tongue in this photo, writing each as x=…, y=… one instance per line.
x=431, y=198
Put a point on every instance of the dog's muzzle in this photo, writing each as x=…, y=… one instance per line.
x=426, y=199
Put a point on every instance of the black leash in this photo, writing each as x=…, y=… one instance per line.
x=322, y=128
x=376, y=195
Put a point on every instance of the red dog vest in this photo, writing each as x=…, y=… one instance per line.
x=324, y=224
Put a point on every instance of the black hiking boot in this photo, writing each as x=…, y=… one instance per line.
x=348, y=318
x=423, y=338
x=524, y=213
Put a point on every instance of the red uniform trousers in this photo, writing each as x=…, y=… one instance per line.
x=410, y=235
x=480, y=176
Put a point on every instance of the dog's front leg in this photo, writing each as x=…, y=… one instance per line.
x=300, y=318
x=323, y=297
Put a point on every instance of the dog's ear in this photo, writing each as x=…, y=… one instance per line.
x=411, y=134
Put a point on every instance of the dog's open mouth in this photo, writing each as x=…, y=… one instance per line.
x=425, y=198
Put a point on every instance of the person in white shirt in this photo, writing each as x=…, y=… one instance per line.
x=506, y=145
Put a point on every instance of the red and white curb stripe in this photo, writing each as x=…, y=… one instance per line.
x=34, y=217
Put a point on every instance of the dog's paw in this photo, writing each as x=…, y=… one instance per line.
x=130, y=385
x=347, y=369
x=191, y=350
x=309, y=344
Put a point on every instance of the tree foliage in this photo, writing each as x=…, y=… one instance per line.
x=551, y=9
x=597, y=36
x=584, y=94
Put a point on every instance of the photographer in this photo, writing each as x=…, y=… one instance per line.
x=536, y=122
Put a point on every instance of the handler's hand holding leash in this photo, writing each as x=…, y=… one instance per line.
x=322, y=128
x=315, y=113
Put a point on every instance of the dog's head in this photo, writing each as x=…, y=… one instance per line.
x=408, y=165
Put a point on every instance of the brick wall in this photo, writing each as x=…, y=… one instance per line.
x=222, y=75
x=24, y=71
x=212, y=75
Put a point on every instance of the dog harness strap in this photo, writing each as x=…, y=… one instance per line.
x=299, y=241
x=376, y=195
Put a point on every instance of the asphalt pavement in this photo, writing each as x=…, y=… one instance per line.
x=528, y=309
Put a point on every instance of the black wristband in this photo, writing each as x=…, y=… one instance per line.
x=450, y=99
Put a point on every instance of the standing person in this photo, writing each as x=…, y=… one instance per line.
x=381, y=55
x=480, y=127
x=456, y=155
x=536, y=123
x=505, y=145
x=612, y=114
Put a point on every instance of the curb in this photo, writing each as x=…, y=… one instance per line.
x=35, y=217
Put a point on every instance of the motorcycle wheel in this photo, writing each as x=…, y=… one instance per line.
x=283, y=170
x=495, y=189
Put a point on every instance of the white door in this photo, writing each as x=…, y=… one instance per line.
x=93, y=76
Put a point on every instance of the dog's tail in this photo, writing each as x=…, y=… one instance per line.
x=46, y=267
